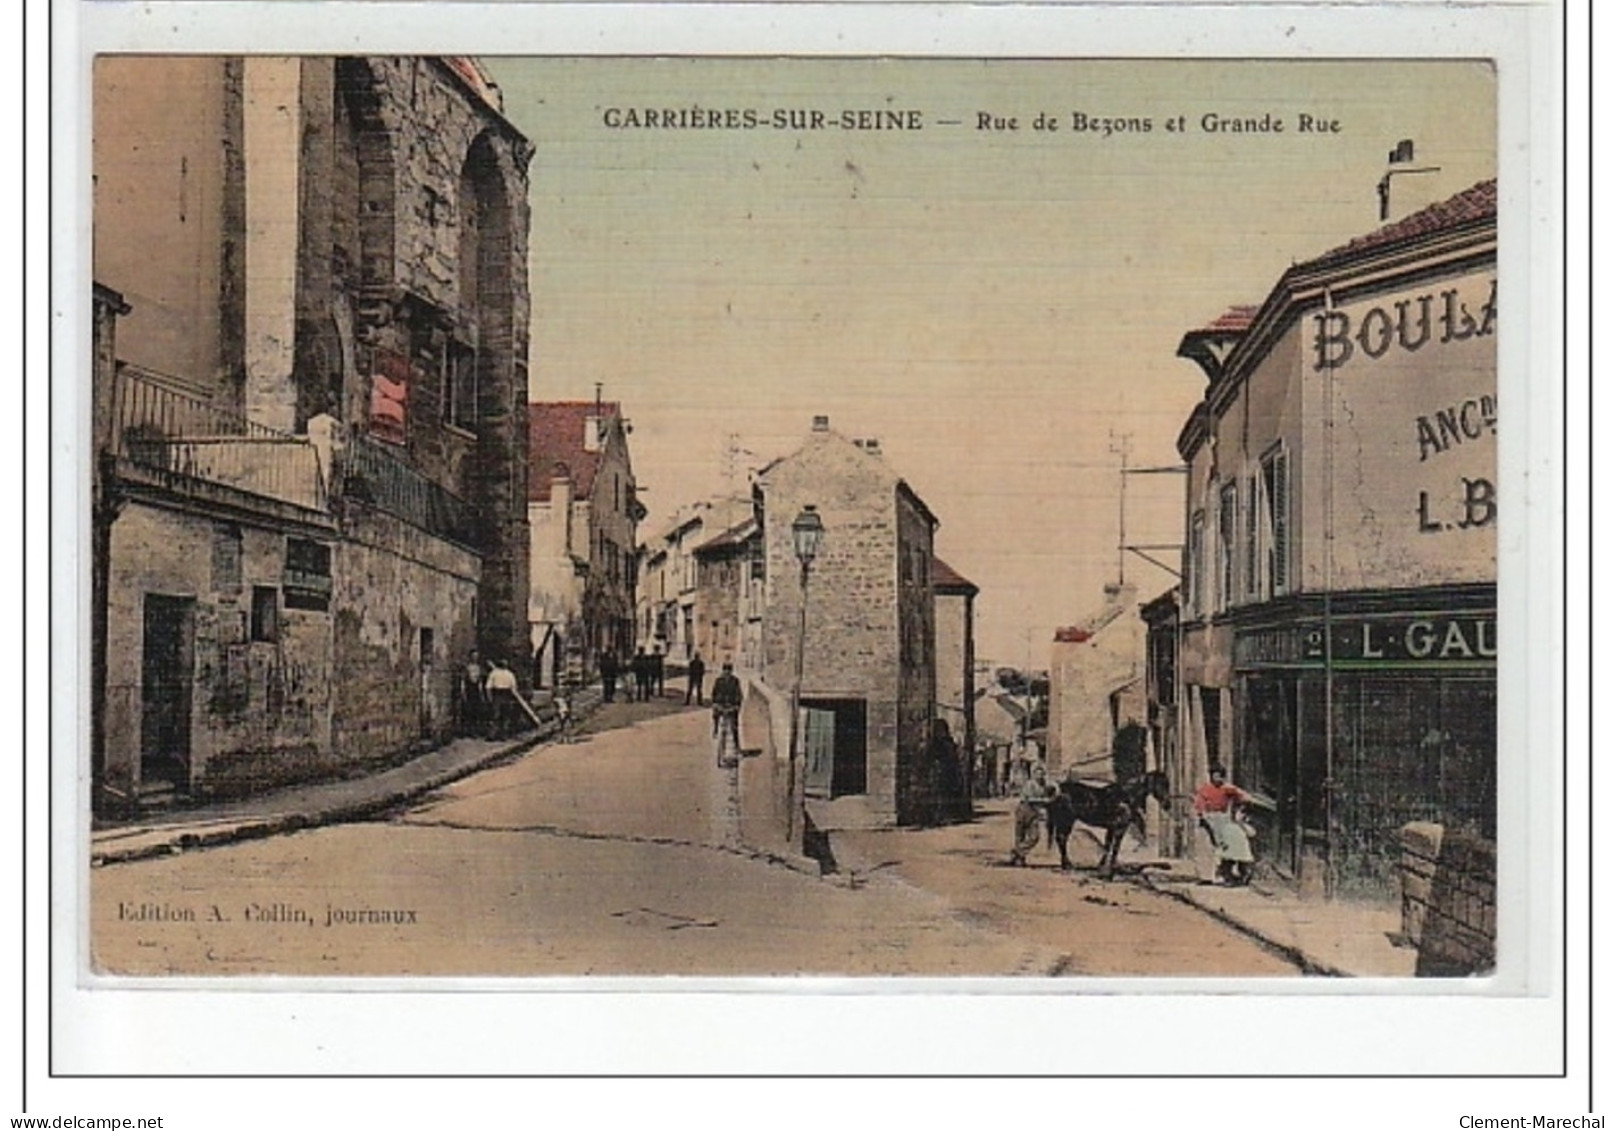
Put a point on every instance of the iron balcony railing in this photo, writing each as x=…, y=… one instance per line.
x=178, y=436
x=372, y=474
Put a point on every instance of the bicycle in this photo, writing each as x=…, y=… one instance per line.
x=726, y=734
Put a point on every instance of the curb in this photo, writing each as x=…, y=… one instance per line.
x=259, y=828
x=1291, y=954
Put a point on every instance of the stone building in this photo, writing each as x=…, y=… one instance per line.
x=1176, y=828
x=671, y=619
x=308, y=432
x=583, y=510
x=731, y=596
x=869, y=653
x=956, y=656
x=1096, y=690
x=1339, y=636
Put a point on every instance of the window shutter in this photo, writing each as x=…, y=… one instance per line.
x=1281, y=522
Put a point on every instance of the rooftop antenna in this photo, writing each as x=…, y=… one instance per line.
x=732, y=454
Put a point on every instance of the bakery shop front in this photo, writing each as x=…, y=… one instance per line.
x=1363, y=712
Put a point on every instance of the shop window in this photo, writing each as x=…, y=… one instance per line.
x=265, y=614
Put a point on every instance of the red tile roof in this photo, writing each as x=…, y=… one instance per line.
x=1234, y=320
x=555, y=441
x=946, y=579
x=1476, y=203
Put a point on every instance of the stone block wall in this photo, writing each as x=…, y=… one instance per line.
x=259, y=708
x=1449, y=899
x=414, y=255
x=871, y=628
x=390, y=581
x=717, y=607
x=852, y=639
x=923, y=792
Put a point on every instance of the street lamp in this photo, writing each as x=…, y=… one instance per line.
x=806, y=534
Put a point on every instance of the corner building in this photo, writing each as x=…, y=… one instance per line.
x=1339, y=640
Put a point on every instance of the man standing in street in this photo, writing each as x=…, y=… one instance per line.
x=693, y=680
x=471, y=695
x=502, y=705
x=1030, y=812
x=640, y=667
x=608, y=675
x=726, y=699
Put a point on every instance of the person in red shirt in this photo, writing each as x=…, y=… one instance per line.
x=1217, y=804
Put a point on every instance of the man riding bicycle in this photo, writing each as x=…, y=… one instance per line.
x=726, y=699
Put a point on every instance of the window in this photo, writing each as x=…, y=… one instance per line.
x=460, y=386
x=1276, y=520
x=307, y=577
x=1252, y=509
x=1192, y=566
x=227, y=559
x=265, y=613
x=1227, y=508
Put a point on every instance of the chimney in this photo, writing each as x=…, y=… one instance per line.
x=1406, y=186
x=821, y=424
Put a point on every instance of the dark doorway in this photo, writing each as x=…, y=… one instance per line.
x=427, y=714
x=165, y=692
x=1271, y=724
x=835, y=742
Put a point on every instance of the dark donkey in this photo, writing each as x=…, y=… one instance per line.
x=1110, y=807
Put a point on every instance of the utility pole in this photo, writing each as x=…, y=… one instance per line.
x=1121, y=444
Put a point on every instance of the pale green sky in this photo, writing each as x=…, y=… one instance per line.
x=991, y=305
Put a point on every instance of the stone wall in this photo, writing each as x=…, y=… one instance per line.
x=717, y=606
x=955, y=659
x=418, y=202
x=1449, y=900
x=924, y=792
x=259, y=707
x=390, y=582
x=871, y=631
x=852, y=642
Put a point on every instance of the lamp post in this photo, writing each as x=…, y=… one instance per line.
x=806, y=534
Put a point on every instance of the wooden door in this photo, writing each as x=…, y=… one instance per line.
x=818, y=746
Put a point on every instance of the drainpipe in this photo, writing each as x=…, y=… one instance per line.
x=1328, y=783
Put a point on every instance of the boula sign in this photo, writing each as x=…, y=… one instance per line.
x=1411, y=324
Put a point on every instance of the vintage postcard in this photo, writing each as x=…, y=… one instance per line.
x=769, y=516
x=876, y=517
